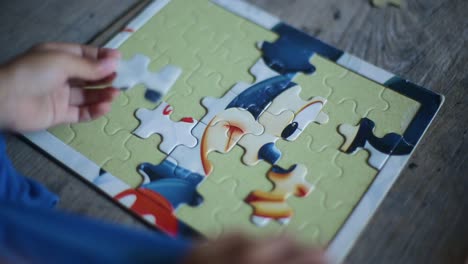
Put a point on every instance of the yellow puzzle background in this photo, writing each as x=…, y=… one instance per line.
x=215, y=49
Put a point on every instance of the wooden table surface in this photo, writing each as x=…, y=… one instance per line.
x=424, y=218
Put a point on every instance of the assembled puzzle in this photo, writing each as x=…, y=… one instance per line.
x=231, y=119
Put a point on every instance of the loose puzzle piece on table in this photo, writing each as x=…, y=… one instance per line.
x=135, y=71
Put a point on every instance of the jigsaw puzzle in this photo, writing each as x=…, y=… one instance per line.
x=276, y=132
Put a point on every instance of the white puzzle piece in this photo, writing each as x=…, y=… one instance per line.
x=261, y=71
x=158, y=121
x=190, y=157
x=273, y=126
x=215, y=105
x=135, y=71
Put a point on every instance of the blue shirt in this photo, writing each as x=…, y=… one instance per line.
x=30, y=232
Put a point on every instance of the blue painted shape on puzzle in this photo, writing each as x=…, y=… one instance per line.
x=289, y=130
x=257, y=97
x=430, y=103
x=280, y=170
x=176, y=184
x=176, y=191
x=152, y=96
x=391, y=143
x=269, y=153
x=291, y=53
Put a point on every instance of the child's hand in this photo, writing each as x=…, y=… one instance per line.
x=238, y=249
x=44, y=86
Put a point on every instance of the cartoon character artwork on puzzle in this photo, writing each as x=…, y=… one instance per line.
x=231, y=119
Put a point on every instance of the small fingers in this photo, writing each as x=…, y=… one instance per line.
x=108, y=53
x=79, y=96
x=82, y=62
x=94, y=111
x=76, y=67
x=85, y=51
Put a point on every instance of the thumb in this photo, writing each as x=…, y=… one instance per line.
x=88, y=69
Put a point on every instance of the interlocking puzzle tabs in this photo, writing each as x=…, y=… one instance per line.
x=253, y=116
x=225, y=124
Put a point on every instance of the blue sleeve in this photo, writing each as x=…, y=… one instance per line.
x=14, y=187
x=39, y=235
x=30, y=232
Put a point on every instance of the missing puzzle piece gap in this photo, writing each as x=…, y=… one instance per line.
x=135, y=71
x=176, y=184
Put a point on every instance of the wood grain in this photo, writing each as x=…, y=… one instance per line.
x=424, y=218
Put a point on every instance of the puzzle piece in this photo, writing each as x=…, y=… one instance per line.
x=140, y=151
x=221, y=134
x=216, y=198
x=252, y=97
x=262, y=147
x=157, y=121
x=214, y=105
x=272, y=205
x=181, y=152
x=291, y=52
x=176, y=184
x=366, y=94
x=305, y=112
x=261, y=71
x=135, y=71
x=362, y=137
x=112, y=147
x=241, y=122
x=122, y=114
x=383, y=3
x=397, y=117
x=151, y=206
x=247, y=178
x=285, y=123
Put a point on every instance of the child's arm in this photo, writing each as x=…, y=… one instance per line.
x=44, y=86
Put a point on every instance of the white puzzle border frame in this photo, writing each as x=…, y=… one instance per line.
x=348, y=233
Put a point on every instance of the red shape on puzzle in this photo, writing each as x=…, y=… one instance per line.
x=167, y=110
x=187, y=120
x=151, y=203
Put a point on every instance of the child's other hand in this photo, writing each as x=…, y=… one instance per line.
x=44, y=86
x=239, y=249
